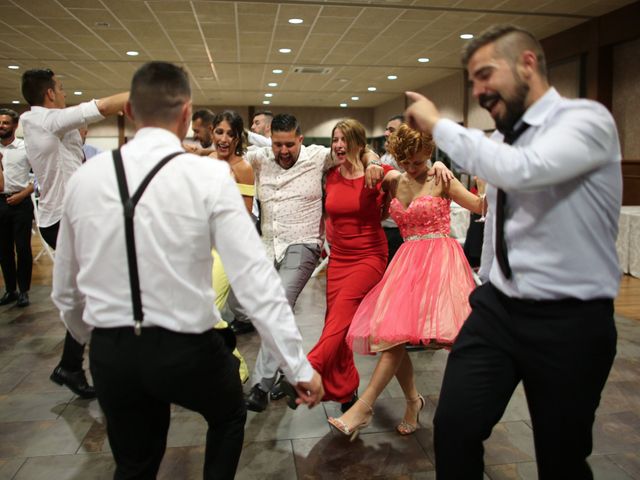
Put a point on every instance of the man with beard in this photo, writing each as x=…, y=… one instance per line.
x=391, y=231
x=16, y=213
x=202, y=126
x=260, y=134
x=544, y=318
x=289, y=184
x=54, y=148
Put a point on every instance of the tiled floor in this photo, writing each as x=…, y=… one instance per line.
x=47, y=433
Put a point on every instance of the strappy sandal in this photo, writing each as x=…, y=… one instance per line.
x=351, y=432
x=404, y=427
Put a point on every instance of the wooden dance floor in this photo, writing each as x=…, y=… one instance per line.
x=48, y=433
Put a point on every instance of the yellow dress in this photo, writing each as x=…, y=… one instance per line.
x=221, y=286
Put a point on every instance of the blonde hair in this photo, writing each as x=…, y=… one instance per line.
x=356, y=139
x=406, y=142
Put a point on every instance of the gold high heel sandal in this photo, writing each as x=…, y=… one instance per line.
x=354, y=431
x=405, y=428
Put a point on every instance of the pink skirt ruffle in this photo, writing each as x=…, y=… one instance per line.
x=423, y=298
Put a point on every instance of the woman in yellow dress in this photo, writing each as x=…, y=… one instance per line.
x=228, y=130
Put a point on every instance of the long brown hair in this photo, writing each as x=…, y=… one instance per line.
x=356, y=138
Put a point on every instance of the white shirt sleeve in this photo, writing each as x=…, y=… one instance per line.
x=578, y=142
x=61, y=121
x=258, y=140
x=65, y=293
x=256, y=283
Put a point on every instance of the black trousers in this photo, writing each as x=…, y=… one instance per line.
x=394, y=240
x=72, y=351
x=138, y=377
x=15, y=232
x=562, y=352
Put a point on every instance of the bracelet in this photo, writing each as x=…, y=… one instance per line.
x=375, y=161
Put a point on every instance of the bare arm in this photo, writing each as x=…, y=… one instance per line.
x=465, y=198
x=112, y=105
x=243, y=173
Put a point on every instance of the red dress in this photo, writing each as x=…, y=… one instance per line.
x=357, y=262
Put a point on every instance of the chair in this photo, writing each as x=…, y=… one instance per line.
x=323, y=264
x=45, y=246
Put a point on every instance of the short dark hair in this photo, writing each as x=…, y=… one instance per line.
x=35, y=84
x=158, y=91
x=399, y=117
x=205, y=115
x=11, y=113
x=237, y=127
x=283, y=122
x=510, y=42
x=266, y=113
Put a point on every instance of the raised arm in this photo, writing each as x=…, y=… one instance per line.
x=112, y=105
x=465, y=198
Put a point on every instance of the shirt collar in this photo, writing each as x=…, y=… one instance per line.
x=538, y=112
x=159, y=135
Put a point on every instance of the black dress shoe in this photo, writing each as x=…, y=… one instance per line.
x=241, y=327
x=23, y=299
x=291, y=393
x=257, y=400
x=347, y=405
x=277, y=392
x=75, y=381
x=8, y=297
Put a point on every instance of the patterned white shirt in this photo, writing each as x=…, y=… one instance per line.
x=290, y=199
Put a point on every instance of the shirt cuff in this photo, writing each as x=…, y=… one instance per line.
x=445, y=132
x=304, y=372
x=90, y=111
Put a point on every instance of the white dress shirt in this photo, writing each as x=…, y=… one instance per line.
x=16, y=166
x=564, y=189
x=54, y=149
x=290, y=199
x=191, y=206
x=258, y=140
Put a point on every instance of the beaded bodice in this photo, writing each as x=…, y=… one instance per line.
x=425, y=215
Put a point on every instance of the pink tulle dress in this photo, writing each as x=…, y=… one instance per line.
x=423, y=297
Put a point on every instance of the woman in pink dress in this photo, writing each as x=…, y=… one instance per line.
x=423, y=296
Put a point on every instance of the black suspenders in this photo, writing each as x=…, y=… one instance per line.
x=129, y=206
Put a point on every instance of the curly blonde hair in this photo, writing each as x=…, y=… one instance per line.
x=406, y=142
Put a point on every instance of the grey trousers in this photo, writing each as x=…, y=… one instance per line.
x=294, y=269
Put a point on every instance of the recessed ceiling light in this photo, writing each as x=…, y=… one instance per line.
x=13, y=67
x=424, y=60
x=277, y=71
x=133, y=53
x=272, y=84
x=296, y=21
x=355, y=99
x=266, y=102
x=268, y=95
x=102, y=24
x=77, y=92
x=466, y=36
x=285, y=50
x=15, y=102
x=372, y=89
x=343, y=105
x=392, y=77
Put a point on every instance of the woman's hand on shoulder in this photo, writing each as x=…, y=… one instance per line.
x=442, y=173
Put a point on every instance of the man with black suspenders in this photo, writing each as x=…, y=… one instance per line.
x=145, y=298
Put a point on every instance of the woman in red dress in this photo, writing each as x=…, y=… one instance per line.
x=357, y=261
